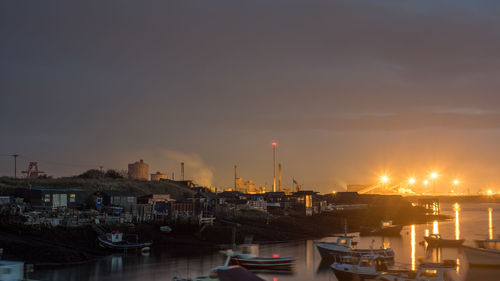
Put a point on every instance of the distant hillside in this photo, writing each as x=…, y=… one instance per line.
x=137, y=187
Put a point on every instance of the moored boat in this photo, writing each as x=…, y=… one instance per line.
x=386, y=229
x=359, y=268
x=255, y=263
x=115, y=241
x=480, y=257
x=345, y=245
x=435, y=240
x=443, y=271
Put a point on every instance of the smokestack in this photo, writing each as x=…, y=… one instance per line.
x=182, y=171
x=235, y=175
x=279, y=176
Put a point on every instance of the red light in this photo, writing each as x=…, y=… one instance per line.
x=276, y=256
x=274, y=143
x=275, y=279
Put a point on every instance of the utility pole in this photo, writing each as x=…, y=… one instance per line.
x=15, y=164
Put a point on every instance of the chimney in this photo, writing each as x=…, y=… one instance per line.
x=182, y=171
x=235, y=175
x=279, y=176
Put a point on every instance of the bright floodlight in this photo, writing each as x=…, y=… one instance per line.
x=456, y=182
x=384, y=179
x=490, y=192
x=411, y=181
x=434, y=175
x=426, y=182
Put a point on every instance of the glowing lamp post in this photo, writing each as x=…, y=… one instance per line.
x=274, y=144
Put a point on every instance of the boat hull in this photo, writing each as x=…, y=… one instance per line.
x=123, y=247
x=350, y=276
x=394, y=230
x=482, y=257
x=264, y=264
x=433, y=242
x=333, y=254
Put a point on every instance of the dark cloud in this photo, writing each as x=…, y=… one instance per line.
x=104, y=82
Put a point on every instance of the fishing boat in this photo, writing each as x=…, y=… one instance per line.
x=345, y=246
x=256, y=263
x=115, y=241
x=443, y=271
x=435, y=240
x=359, y=268
x=386, y=229
x=481, y=257
x=165, y=229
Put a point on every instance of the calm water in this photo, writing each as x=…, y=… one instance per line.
x=471, y=221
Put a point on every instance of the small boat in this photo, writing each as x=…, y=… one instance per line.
x=225, y=273
x=435, y=240
x=386, y=229
x=481, y=257
x=115, y=241
x=165, y=229
x=359, y=268
x=345, y=246
x=445, y=270
x=254, y=263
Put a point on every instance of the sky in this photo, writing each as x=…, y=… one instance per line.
x=350, y=90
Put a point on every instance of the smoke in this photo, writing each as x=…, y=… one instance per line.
x=195, y=167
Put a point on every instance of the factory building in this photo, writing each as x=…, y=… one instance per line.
x=138, y=171
x=158, y=176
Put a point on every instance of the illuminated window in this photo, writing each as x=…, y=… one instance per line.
x=47, y=198
x=72, y=198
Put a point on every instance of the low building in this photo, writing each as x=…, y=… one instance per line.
x=115, y=198
x=53, y=198
x=158, y=176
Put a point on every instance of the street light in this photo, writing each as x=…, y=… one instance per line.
x=434, y=175
x=426, y=182
x=411, y=181
x=384, y=179
x=456, y=182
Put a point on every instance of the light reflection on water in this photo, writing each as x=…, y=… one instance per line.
x=471, y=221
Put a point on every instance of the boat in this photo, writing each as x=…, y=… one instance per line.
x=435, y=240
x=265, y=264
x=115, y=241
x=493, y=244
x=445, y=270
x=386, y=229
x=165, y=229
x=225, y=273
x=359, y=268
x=345, y=246
x=481, y=257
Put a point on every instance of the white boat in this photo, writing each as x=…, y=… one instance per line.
x=11, y=270
x=444, y=271
x=345, y=246
x=258, y=263
x=435, y=240
x=115, y=241
x=359, y=268
x=165, y=229
x=478, y=257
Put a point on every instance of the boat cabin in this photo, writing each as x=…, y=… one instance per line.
x=114, y=237
x=386, y=223
x=346, y=241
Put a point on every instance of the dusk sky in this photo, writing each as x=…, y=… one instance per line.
x=348, y=89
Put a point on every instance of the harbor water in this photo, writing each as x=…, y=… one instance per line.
x=469, y=221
